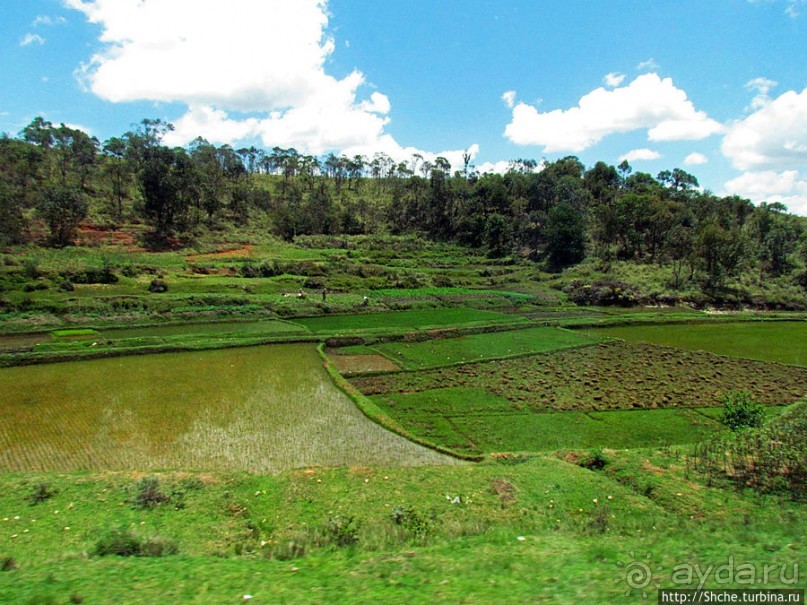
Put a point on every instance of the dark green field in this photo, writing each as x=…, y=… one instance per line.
x=412, y=320
x=418, y=355
x=780, y=341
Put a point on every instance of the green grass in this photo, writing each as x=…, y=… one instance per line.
x=260, y=409
x=418, y=355
x=782, y=342
x=241, y=328
x=474, y=421
x=578, y=530
x=413, y=320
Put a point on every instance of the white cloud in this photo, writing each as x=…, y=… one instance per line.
x=640, y=154
x=787, y=187
x=48, y=21
x=762, y=86
x=500, y=167
x=772, y=138
x=245, y=69
x=613, y=79
x=649, y=65
x=649, y=102
x=696, y=159
x=29, y=39
x=387, y=144
x=793, y=8
x=509, y=98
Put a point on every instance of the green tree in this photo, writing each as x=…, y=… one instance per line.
x=12, y=221
x=62, y=208
x=565, y=236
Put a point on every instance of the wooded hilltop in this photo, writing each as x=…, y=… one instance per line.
x=557, y=214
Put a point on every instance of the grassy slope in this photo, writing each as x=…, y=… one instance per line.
x=572, y=546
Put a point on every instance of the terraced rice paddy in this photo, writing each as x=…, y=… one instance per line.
x=411, y=320
x=432, y=353
x=260, y=409
x=555, y=399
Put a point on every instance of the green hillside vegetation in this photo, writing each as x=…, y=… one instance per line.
x=385, y=381
x=94, y=230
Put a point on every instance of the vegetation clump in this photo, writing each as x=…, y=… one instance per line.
x=769, y=458
x=125, y=542
x=741, y=412
x=149, y=494
x=40, y=493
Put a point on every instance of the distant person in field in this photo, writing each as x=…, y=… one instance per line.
x=324, y=294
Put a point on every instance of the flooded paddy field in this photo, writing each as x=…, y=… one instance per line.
x=257, y=409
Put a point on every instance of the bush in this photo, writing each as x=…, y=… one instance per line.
x=740, y=412
x=768, y=459
x=40, y=493
x=149, y=494
x=604, y=292
x=7, y=563
x=342, y=531
x=158, y=285
x=415, y=523
x=126, y=543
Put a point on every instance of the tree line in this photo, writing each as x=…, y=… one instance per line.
x=557, y=213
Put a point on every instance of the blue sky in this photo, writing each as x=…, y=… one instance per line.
x=716, y=87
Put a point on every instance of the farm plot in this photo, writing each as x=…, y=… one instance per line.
x=260, y=409
x=474, y=421
x=412, y=320
x=609, y=376
x=514, y=403
x=779, y=341
x=432, y=353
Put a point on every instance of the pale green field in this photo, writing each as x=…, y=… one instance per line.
x=259, y=409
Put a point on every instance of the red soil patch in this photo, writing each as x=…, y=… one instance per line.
x=244, y=251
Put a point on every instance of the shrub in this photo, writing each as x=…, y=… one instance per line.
x=158, y=285
x=40, y=493
x=415, y=523
x=604, y=292
x=127, y=543
x=342, y=531
x=149, y=494
x=740, y=412
x=594, y=461
x=768, y=459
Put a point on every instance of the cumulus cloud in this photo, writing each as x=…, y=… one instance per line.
x=787, y=187
x=649, y=102
x=696, y=159
x=29, y=39
x=640, y=154
x=613, y=79
x=772, y=138
x=245, y=69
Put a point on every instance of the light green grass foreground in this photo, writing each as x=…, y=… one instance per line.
x=779, y=341
x=539, y=531
x=262, y=409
